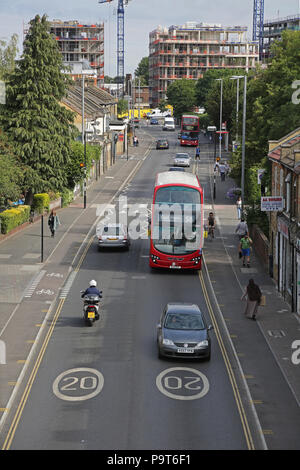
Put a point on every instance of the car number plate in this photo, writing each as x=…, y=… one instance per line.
x=112, y=238
x=185, y=350
x=91, y=315
x=175, y=267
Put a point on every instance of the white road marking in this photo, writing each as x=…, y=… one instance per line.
x=78, y=384
x=191, y=381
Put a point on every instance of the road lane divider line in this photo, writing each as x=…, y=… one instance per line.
x=22, y=403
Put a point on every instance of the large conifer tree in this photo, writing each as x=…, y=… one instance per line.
x=38, y=126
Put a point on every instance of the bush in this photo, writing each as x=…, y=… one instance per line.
x=67, y=197
x=255, y=216
x=12, y=218
x=41, y=202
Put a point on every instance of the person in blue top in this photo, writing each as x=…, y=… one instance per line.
x=197, y=152
x=92, y=290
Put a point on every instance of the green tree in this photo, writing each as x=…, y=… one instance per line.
x=34, y=120
x=122, y=106
x=142, y=71
x=74, y=170
x=8, y=53
x=10, y=173
x=181, y=95
x=162, y=105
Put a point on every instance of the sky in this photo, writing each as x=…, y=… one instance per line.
x=141, y=17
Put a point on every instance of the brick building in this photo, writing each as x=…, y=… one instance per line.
x=284, y=155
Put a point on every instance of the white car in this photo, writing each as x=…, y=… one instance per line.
x=113, y=236
x=182, y=159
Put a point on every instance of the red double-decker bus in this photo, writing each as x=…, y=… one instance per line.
x=190, y=128
x=177, y=222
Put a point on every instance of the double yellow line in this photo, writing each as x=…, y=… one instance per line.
x=230, y=372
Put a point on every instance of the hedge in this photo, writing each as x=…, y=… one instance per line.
x=12, y=218
x=41, y=202
x=67, y=196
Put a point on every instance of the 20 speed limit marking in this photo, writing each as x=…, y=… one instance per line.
x=78, y=384
x=182, y=383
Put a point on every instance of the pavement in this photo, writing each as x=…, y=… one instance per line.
x=30, y=287
x=279, y=326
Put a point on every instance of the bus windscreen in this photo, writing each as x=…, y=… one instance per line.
x=177, y=220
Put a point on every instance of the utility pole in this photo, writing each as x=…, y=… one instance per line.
x=244, y=141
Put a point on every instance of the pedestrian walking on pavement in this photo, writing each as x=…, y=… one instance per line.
x=222, y=170
x=239, y=207
x=253, y=294
x=242, y=228
x=245, y=249
x=53, y=222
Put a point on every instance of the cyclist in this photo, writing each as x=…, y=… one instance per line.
x=211, y=224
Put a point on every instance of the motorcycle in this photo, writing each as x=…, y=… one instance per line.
x=90, y=308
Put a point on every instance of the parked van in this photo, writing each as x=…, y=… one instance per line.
x=169, y=124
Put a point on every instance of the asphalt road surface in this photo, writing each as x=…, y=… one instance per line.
x=104, y=387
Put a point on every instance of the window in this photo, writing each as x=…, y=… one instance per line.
x=288, y=192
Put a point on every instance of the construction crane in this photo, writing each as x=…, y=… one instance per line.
x=258, y=24
x=120, y=42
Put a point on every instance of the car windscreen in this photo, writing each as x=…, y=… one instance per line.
x=180, y=321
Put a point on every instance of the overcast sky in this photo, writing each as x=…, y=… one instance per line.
x=141, y=17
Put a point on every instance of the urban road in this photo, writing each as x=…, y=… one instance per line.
x=104, y=387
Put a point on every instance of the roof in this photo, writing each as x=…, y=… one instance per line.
x=280, y=153
x=182, y=307
x=174, y=177
x=94, y=100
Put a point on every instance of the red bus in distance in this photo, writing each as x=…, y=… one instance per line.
x=176, y=238
x=190, y=128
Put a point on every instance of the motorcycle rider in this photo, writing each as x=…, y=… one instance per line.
x=92, y=290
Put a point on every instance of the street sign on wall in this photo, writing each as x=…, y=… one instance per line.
x=272, y=203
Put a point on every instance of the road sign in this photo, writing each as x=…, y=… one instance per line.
x=272, y=203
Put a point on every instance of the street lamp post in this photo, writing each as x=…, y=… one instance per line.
x=86, y=71
x=221, y=111
x=237, y=77
x=244, y=141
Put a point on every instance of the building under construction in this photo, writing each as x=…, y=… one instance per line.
x=81, y=43
x=273, y=31
x=188, y=51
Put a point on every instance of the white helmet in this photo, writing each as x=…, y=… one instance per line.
x=93, y=283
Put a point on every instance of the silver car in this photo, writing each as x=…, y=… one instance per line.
x=113, y=236
x=182, y=159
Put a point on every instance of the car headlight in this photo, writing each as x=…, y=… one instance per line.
x=168, y=342
x=202, y=344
